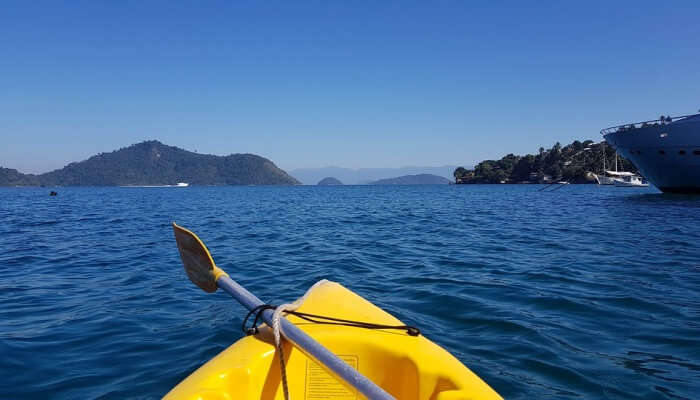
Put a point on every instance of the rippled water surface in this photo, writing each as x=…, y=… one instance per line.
x=585, y=292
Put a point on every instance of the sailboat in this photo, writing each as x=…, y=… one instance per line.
x=619, y=178
x=631, y=180
x=606, y=178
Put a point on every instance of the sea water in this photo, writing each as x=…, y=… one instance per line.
x=584, y=292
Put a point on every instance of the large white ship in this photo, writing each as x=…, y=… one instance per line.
x=666, y=151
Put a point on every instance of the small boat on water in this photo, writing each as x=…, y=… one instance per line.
x=378, y=358
x=179, y=184
x=632, y=180
x=603, y=179
x=619, y=178
x=606, y=177
x=611, y=177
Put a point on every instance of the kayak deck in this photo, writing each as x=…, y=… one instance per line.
x=408, y=367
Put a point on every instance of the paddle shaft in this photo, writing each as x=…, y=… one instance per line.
x=306, y=343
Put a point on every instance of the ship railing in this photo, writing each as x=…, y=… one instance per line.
x=644, y=124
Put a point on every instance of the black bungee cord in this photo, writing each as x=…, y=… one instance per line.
x=319, y=319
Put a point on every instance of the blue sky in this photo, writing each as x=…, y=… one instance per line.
x=351, y=84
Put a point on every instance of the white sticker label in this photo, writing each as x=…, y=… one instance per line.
x=320, y=385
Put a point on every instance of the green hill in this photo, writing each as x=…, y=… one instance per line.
x=11, y=177
x=420, y=179
x=572, y=163
x=153, y=163
x=329, y=181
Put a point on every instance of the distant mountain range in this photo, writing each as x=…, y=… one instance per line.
x=310, y=176
x=153, y=163
x=420, y=179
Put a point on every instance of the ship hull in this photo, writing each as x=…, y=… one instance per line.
x=667, y=155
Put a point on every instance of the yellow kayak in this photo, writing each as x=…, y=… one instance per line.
x=407, y=367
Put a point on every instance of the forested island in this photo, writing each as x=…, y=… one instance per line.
x=419, y=179
x=154, y=163
x=573, y=163
x=329, y=181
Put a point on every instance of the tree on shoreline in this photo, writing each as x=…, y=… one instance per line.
x=572, y=163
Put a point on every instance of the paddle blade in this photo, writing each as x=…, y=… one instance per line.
x=195, y=257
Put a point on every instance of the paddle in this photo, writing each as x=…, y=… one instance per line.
x=203, y=272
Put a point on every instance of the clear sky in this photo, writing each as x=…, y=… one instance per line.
x=345, y=83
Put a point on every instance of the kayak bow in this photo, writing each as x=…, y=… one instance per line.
x=402, y=366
